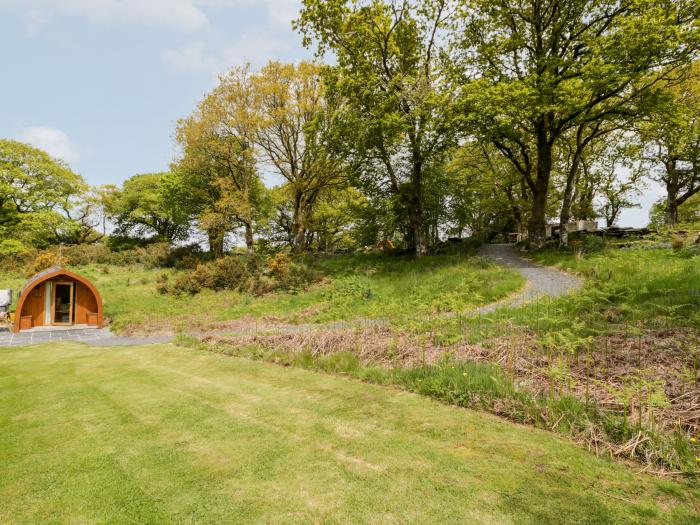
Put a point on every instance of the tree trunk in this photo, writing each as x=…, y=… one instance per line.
x=416, y=209
x=537, y=228
x=540, y=186
x=538, y=221
x=611, y=217
x=216, y=243
x=565, y=215
x=298, y=229
x=249, y=237
x=671, y=211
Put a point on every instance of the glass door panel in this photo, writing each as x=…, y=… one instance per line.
x=63, y=303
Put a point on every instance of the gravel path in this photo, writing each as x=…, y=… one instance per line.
x=541, y=281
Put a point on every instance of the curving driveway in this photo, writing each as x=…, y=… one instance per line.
x=541, y=280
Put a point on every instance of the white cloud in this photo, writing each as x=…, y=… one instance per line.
x=193, y=58
x=256, y=47
x=51, y=140
x=270, y=39
x=282, y=12
x=178, y=15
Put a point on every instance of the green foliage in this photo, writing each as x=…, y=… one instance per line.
x=659, y=286
x=37, y=194
x=11, y=247
x=216, y=181
x=143, y=209
x=688, y=214
x=394, y=122
x=332, y=222
x=535, y=74
x=242, y=273
x=671, y=141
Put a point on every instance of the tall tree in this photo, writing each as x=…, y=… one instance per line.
x=142, y=208
x=671, y=138
x=538, y=70
x=218, y=177
x=87, y=216
x=31, y=181
x=294, y=117
x=396, y=124
x=485, y=196
x=35, y=191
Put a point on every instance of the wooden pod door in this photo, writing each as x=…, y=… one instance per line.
x=63, y=303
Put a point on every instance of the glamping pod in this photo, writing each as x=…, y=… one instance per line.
x=58, y=298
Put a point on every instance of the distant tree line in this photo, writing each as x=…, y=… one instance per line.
x=429, y=119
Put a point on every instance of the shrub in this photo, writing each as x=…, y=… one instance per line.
x=153, y=255
x=593, y=243
x=244, y=273
x=677, y=243
x=191, y=283
x=84, y=254
x=298, y=277
x=12, y=248
x=118, y=243
x=279, y=264
x=45, y=260
x=230, y=273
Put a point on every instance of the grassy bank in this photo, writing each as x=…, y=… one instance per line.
x=163, y=434
x=625, y=290
x=356, y=286
x=628, y=342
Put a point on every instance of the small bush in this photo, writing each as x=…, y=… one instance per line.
x=46, y=260
x=85, y=254
x=593, y=243
x=279, y=264
x=153, y=255
x=243, y=273
x=298, y=277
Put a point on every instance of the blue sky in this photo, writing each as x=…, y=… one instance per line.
x=101, y=83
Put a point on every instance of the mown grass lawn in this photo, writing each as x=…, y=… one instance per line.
x=164, y=434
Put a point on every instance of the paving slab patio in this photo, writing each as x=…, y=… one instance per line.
x=90, y=336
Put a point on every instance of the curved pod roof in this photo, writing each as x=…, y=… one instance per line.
x=47, y=275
